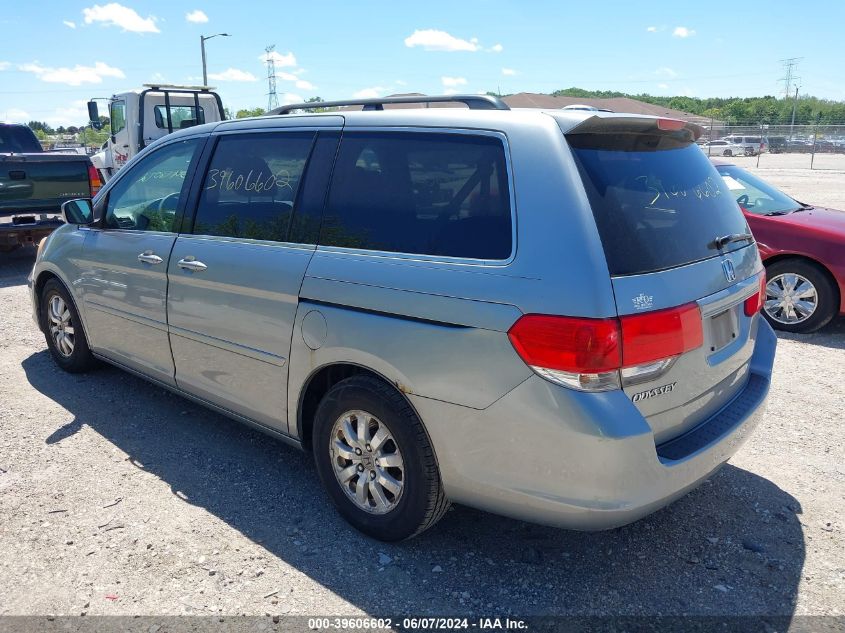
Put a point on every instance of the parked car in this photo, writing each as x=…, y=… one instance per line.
x=776, y=144
x=723, y=147
x=548, y=315
x=34, y=184
x=751, y=145
x=803, y=249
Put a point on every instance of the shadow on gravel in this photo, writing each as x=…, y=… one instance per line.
x=15, y=266
x=831, y=335
x=733, y=546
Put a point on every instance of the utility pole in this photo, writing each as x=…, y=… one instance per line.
x=272, y=97
x=794, y=105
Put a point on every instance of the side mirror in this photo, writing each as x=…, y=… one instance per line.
x=79, y=211
x=94, y=115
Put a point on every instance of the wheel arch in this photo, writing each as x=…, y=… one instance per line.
x=780, y=257
x=324, y=378
x=38, y=285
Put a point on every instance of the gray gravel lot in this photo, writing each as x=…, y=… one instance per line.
x=117, y=497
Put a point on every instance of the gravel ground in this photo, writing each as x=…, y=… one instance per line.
x=117, y=497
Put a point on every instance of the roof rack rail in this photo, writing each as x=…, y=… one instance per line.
x=473, y=102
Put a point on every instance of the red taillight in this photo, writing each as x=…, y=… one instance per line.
x=568, y=344
x=670, y=124
x=660, y=334
x=94, y=182
x=754, y=303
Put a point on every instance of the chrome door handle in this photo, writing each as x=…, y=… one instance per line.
x=189, y=263
x=148, y=257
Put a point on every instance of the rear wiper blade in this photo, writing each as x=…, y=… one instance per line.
x=722, y=241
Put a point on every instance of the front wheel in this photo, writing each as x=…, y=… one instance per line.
x=375, y=460
x=800, y=297
x=727, y=152
x=63, y=331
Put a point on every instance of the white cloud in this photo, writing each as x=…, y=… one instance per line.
x=652, y=29
x=4, y=65
x=434, y=40
x=15, y=115
x=114, y=14
x=400, y=82
x=288, y=97
x=305, y=85
x=233, y=74
x=451, y=82
x=450, y=91
x=370, y=93
x=302, y=84
x=497, y=48
x=665, y=71
x=286, y=60
x=682, y=31
x=75, y=76
x=510, y=72
x=663, y=86
x=70, y=24
x=196, y=16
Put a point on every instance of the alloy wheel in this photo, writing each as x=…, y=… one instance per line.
x=367, y=462
x=61, y=326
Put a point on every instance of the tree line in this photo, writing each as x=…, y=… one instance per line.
x=736, y=110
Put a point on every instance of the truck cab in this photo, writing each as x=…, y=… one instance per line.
x=139, y=117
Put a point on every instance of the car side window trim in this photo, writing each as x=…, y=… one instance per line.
x=421, y=257
x=101, y=208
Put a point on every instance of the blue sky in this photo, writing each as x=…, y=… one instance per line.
x=58, y=53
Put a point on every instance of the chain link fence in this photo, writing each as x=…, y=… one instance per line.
x=780, y=146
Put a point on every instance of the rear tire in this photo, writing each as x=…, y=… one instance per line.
x=63, y=330
x=345, y=452
x=727, y=152
x=798, y=277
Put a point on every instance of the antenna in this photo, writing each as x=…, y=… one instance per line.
x=272, y=97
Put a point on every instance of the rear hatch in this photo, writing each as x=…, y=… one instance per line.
x=685, y=272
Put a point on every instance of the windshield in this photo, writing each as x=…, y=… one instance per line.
x=755, y=195
x=657, y=204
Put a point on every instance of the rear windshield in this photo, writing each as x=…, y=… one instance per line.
x=18, y=139
x=658, y=202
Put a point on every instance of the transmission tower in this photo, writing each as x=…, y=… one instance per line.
x=789, y=79
x=272, y=97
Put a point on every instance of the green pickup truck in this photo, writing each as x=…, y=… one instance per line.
x=34, y=184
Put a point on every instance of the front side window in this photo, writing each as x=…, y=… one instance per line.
x=251, y=185
x=147, y=197
x=180, y=116
x=117, y=114
x=755, y=195
x=427, y=194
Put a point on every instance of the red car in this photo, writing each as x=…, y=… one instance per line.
x=803, y=249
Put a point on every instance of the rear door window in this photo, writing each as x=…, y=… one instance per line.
x=428, y=194
x=658, y=202
x=251, y=185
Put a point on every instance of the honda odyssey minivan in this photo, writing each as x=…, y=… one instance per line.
x=551, y=315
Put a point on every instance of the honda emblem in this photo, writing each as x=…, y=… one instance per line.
x=728, y=268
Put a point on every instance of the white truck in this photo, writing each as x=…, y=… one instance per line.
x=139, y=117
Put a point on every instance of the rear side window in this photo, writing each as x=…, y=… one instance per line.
x=427, y=194
x=658, y=202
x=251, y=185
x=180, y=116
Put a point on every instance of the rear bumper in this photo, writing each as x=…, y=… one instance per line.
x=12, y=234
x=550, y=455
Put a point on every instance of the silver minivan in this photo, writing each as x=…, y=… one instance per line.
x=551, y=315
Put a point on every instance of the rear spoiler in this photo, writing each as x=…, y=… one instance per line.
x=637, y=125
